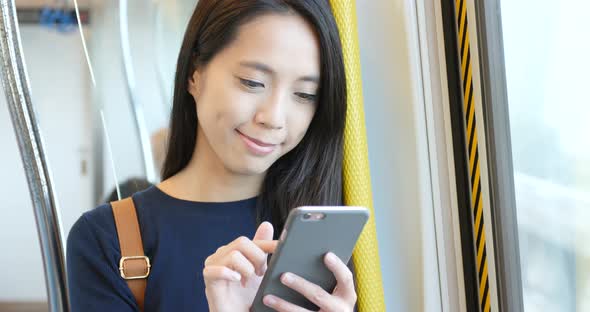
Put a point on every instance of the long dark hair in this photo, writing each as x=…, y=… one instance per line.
x=311, y=173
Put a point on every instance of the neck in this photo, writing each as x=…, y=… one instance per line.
x=206, y=179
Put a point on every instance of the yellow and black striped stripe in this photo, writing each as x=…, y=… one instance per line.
x=473, y=154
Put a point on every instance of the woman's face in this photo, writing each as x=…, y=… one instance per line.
x=256, y=98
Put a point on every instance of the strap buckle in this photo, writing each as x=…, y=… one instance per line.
x=122, y=267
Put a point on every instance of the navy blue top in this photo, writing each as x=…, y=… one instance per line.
x=178, y=236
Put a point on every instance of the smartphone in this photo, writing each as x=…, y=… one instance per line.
x=309, y=233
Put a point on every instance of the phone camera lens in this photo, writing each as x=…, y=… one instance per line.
x=307, y=216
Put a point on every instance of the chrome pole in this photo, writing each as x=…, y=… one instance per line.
x=136, y=107
x=24, y=121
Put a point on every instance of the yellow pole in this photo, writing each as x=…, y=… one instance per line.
x=357, y=178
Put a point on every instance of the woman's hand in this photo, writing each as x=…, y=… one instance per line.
x=341, y=300
x=234, y=272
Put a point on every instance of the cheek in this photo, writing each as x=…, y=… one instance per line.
x=299, y=123
x=234, y=109
x=223, y=107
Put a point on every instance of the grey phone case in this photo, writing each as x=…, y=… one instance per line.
x=302, y=247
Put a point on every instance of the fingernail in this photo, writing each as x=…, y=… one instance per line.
x=269, y=300
x=330, y=258
x=287, y=278
x=236, y=276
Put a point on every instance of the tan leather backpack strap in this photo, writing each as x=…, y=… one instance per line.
x=134, y=266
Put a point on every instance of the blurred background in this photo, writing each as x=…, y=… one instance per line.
x=547, y=68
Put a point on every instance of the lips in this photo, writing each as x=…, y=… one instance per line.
x=258, y=142
x=256, y=147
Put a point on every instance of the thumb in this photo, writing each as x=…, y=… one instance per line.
x=265, y=231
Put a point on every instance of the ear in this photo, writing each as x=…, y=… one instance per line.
x=194, y=83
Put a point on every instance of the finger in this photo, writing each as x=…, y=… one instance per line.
x=265, y=231
x=268, y=246
x=344, y=277
x=311, y=291
x=281, y=305
x=252, y=252
x=212, y=259
x=218, y=273
x=236, y=261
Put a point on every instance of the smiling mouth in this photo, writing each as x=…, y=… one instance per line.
x=258, y=142
x=255, y=146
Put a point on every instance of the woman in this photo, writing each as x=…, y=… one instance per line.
x=256, y=130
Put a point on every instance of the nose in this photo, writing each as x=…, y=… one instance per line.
x=272, y=112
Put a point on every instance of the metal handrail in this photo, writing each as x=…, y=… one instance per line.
x=136, y=107
x=24, y=121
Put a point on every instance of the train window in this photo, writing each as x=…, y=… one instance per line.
x=547, y=59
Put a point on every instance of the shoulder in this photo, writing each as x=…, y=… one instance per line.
x=92, y=260
x=96, y=226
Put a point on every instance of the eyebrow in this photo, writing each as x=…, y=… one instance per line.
x=266, y=69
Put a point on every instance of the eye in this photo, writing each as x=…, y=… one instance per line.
x=251, y=84
x=306, y=96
